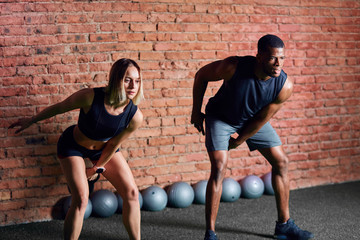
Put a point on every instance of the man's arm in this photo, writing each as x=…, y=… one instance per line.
x=263, y=116
x=215, y=71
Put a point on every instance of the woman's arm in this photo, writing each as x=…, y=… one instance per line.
x=81, y=99
x=114, y=143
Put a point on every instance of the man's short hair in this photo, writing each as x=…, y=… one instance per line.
x=269, y=41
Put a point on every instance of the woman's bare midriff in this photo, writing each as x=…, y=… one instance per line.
x=86, y=142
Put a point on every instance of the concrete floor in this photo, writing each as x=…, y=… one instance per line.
x=330, y=212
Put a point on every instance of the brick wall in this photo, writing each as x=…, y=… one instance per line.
x=50, y=48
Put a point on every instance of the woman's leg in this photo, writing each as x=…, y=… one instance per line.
x=74, y=170
x=120, y=176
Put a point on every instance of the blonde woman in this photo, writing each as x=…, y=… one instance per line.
x=108, y=116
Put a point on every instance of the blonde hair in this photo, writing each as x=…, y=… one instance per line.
x=115, y=89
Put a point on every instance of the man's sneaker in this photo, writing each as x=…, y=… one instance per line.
x=289, y=231
x=210, y=235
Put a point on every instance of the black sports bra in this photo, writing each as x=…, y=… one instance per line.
x=98, y=124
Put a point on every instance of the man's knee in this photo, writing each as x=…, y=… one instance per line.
x=218, y=164
x=280, y=165
x=277, y=158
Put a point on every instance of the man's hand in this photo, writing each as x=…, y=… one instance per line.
x=233, y=143
x=198, y=120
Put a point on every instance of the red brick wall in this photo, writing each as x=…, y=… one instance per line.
x=49, y=49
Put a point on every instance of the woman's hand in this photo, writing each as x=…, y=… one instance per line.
x=91, y=174
x=23, y=123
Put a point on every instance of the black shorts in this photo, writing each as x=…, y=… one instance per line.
x=67, y=147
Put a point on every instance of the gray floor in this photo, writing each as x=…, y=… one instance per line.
x=330, y=212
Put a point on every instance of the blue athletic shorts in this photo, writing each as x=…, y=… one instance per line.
x=218, y=135
x=67, y=147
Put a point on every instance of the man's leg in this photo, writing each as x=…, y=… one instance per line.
x=280, y=181
x=217, y=143
x=218, y=161
x=285, y=227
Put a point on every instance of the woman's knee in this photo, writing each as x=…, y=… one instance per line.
x=131, y=194
x=80, y=201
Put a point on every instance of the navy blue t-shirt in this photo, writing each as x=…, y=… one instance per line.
x=241, y=97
